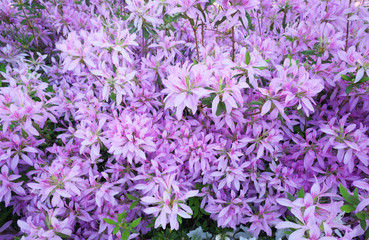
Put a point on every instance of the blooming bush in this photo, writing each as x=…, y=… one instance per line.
x=147, y=119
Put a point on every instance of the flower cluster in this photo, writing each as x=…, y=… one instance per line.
x=249, y=113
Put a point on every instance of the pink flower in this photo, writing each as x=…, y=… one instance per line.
x=7, y=185
x=131, y=137
x=169, y=205
x=58, y=181
x=227, y=90
x=185, y=86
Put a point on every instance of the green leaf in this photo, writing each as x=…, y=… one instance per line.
x=220, y=21
x=116, y=229
x=113, y=96
x=129, y=196
x=291, y=197
x=135, y=223
x=301, y=193
x=284, y=24
x=2, y=67
x=133, y=205
x=361, y=215
x=261, y=68
x=179, y=219
x=195, y=212
x=349, y=89
x=290, y=38
x=367, y=234
x=62, y=235
x=209, y=3
x=249, y=21
x=204, y=212
x=202, y=11
x=125, y=235
x=120, y=217
x=207, y=101
x=364, y=79
x=110, y=221
x=260, y=103
x=345, y=77
x=247, y=58
x=309, y=52
x=145, y=33
x=221, y=107
x=347, y=208
x=363, y=224
x=350, y=199
x=356, y=194
x=344, y=192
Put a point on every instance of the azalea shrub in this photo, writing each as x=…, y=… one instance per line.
x=146, y=119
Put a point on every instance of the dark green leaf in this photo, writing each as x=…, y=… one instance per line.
x=110, y=221
x=62, y=235
x=179, y=219
x=202, y=11
x=349, y=89
x=209, y=3
x=367, y=234
x=221, y=107
x=220, y=21
x=39, y=6
x=356, y=194
x=207, y=101
x=195, y=212
x=284, y=24
x=2, y=68
x=309, y=52
x=363, y=224
x=249, y=21
x=125, y=235
x=145, y=33
x=204, y=212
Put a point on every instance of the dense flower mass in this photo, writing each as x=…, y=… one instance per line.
x=124, y=119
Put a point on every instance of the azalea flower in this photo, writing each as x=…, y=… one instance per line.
x=185, y=86
x=169, y=205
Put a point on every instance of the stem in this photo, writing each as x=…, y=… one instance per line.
x=252, y=114
x=28, y=22
x=347, y=28
x=202, y=34
x=342, y=104
x=200, y=107
x=233, y=44
x=143, y=40
x=197, y=43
